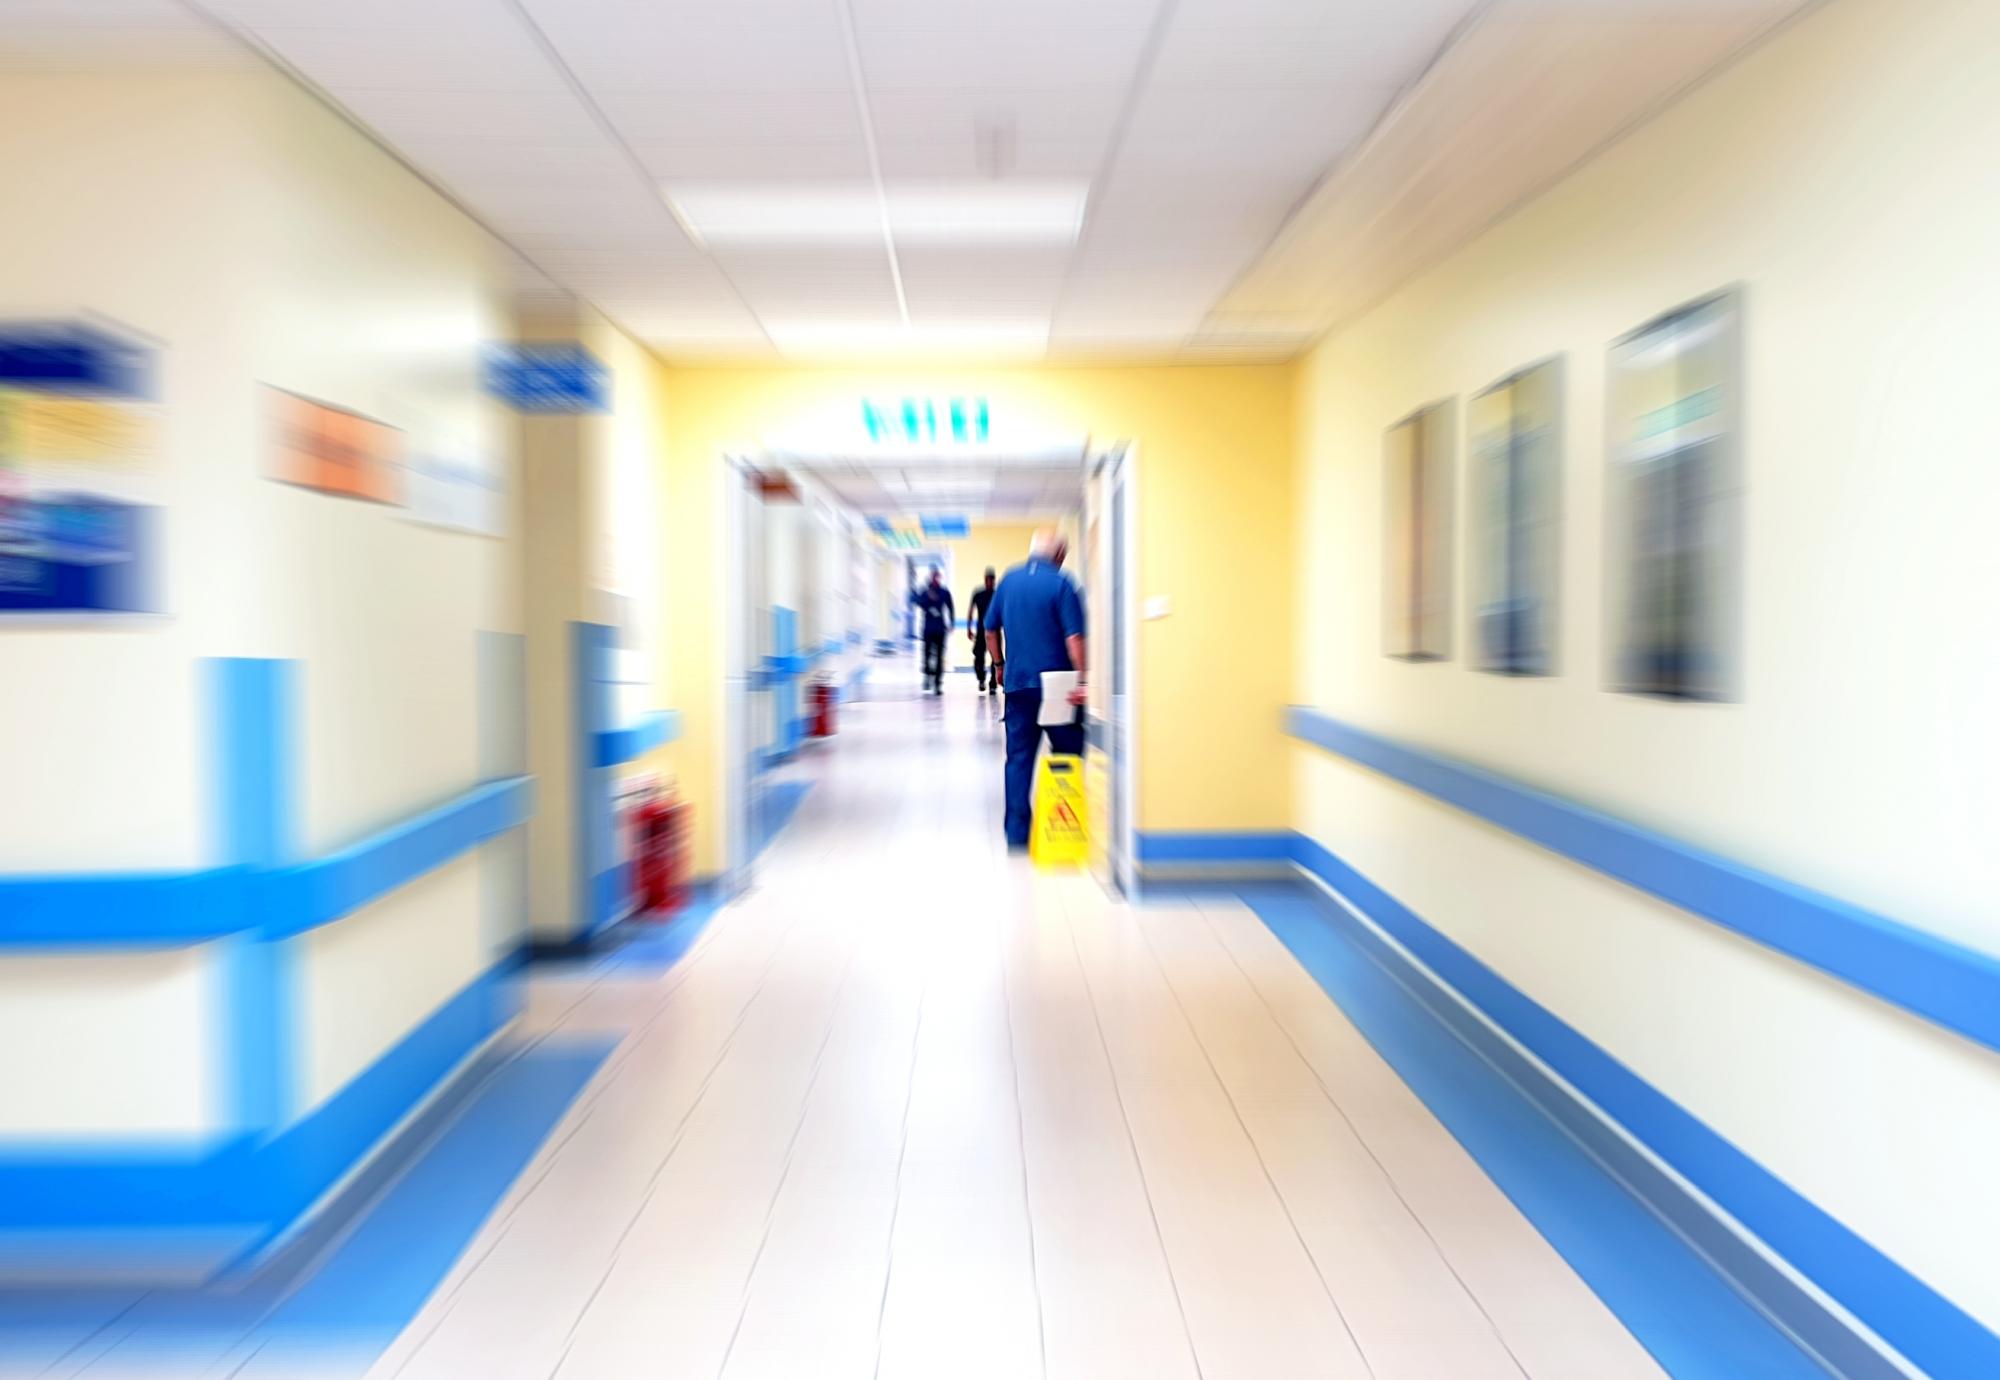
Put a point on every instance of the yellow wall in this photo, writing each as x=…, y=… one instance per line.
x=1832, y=175
x=996, y=544
x=1215, y=470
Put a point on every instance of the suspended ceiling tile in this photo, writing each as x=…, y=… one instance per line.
x=719, y=161
x=377, y=16
x=959, y=159
x=584, y=169
x=1223, y=128
x=1087, y=113
x=662, y=115
x=876, y=16
x=724, y=49
x=550, y=118
x=999, y=57
x=1367, y=43
x=497, y=57
x=672, y=260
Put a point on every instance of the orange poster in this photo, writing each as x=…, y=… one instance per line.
x=317, y=446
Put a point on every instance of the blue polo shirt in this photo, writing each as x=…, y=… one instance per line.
x=1035, y=608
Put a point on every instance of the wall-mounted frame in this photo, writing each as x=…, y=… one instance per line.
x=1417, y=490
x=1514, y=453
x=1673, y=407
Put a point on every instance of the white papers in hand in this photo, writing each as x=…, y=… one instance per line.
x=1056, y=708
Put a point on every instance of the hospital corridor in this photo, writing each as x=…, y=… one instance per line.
x=912, y=1108
x=999, y=690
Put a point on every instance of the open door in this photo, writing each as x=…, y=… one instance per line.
x=1111, y=567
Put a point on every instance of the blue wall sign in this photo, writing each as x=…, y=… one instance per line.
x=552, y=377
x=77, y=553
x=73, y=357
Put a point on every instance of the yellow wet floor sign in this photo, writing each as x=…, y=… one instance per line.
x=1062, y=824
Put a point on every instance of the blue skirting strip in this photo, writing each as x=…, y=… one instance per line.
x=258, y=1185
x=1176, y=847
x=651, y=947
x=364, y=1292
x=611, y=898
x=1678, y=1308
x=1898, y=1306
x=1893, y=1303
x=774, y=809
x=1946, y=983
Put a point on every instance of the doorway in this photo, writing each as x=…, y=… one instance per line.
x=822, y=551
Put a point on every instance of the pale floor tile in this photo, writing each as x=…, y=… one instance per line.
x=1255, y=1303
x=1411, y=1316
x=913, y=1110
x=1547, y=1316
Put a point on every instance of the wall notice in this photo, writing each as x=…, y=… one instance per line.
x=316, y=445
x=457, y=487
x=78, y=435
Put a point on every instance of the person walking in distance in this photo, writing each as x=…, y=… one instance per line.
x=1034, y=623
x=975, y=622
x=934, y=600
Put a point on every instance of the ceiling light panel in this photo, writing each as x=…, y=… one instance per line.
x=850, y=213
x=986, y=213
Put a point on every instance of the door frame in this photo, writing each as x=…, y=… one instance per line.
x=740, y=508
x=1118, y=465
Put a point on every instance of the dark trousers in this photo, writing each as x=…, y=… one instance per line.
x=1024, y=738
x=979, y=663
x=934, y=657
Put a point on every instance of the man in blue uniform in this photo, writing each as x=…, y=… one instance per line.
x=1035, y=624
x=939, y=614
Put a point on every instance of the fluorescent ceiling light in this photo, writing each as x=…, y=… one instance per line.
x=930, y=212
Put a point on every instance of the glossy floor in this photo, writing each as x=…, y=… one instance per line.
x=911, y=1109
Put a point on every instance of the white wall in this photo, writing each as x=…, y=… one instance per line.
x=373, y=293
x=107, y=1047
x=124, y=188
x=625, y=548
x=261, y=240
x=1838, y=173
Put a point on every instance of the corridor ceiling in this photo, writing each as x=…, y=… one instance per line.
x=844, y=179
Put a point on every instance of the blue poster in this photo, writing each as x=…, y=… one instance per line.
x=77, y=553
x=76, y=435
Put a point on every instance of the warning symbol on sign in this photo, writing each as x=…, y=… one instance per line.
x=1062, y=834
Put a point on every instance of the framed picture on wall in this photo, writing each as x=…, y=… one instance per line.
x=1514, y=452
x=1673, y=406
x=1416, y=535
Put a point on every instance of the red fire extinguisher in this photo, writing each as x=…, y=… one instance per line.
x=663, y=854
x=824, y=701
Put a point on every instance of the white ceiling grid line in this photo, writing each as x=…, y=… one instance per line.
x=852, y=51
